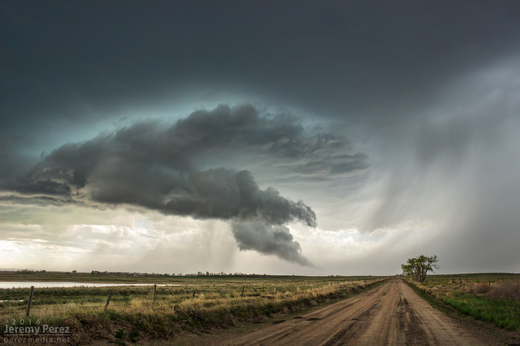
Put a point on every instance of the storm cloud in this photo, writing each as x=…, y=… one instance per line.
x=158, y=167
x=269, y=240
x=393, y=127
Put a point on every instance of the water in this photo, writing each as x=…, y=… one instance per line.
x=40, y=284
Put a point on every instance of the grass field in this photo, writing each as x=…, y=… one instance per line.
x=491, y=297
x=197, y=304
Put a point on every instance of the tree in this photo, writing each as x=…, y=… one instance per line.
x=419, y=266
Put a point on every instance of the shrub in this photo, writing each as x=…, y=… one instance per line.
x=480, y=288
x=506, y=290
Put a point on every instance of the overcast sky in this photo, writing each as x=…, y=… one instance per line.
x=279, y=137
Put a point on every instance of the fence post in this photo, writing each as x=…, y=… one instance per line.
x=154, y=291
x=30, y=301
x=108, y=300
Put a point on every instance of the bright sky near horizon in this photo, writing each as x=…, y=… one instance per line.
x=294, y=137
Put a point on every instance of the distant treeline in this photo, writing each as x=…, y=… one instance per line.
x=137, y=274
x=207, y=274
x=28, y=271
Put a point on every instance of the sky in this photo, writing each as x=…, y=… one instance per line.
x=294, y=137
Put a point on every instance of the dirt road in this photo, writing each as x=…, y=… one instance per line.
x=391, y=314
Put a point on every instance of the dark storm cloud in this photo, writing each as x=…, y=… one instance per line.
x=157, y=167
x=168, y=155
x=154, y=166
x=269, y=240
x=77, y=62
x=38, y=200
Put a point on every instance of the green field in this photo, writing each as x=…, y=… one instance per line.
x=186, y=303
x=491, y=297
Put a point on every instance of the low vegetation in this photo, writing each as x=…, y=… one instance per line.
x=493, y=298
x=182, y=304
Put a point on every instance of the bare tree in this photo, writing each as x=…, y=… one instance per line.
x=419, y=266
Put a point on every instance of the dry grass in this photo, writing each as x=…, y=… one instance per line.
x=479, y=288
x=213, y=306
x=506, y=290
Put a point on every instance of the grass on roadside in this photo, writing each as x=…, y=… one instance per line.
x=130, y=315
x=504, y=313
x=476, y=300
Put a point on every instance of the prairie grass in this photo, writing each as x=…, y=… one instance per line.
x=493, y=298
x=506, y=290
x=197, y=306
x=478, y=289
